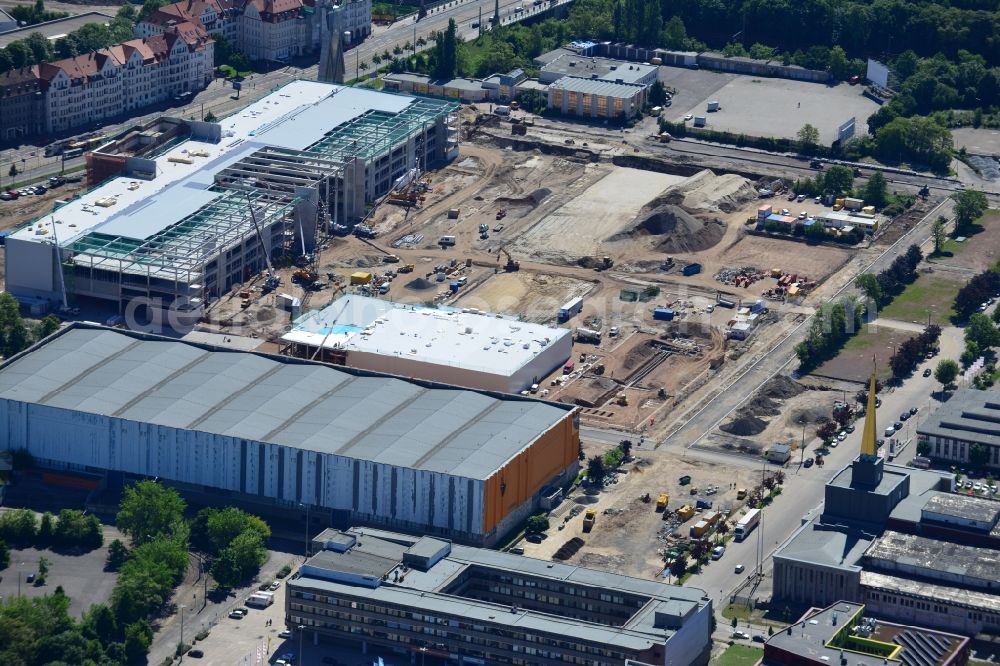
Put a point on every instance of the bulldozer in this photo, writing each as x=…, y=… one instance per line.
x=511, y=266
x=406, y=268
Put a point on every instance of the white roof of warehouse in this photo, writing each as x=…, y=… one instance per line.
x=596, y=87
x=294, y=117
x=274, y=399
x=443, y=336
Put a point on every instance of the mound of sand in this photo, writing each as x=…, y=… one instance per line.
x=706, y=192
x=681, y=231
x=419, y=284
x=533, y=199
x=751, y=419
x=744, y=426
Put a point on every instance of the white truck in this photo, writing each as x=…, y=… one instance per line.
x=746, y=524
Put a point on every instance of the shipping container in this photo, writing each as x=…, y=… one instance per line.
x=691, y=269
x=361, y=277
x=746, y=524
x=663, y=314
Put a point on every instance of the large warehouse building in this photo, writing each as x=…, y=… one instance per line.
x=188, y=208
x=353, y=446
x=458, y=347
x=425, y=596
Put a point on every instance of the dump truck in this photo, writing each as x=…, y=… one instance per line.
x=685, y=512
x=661, y=502
x=589, y=518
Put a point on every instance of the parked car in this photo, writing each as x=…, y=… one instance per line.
x=898, y=426
x=913, y=411
x=534, y=537
x=740, y=634
x=927, y=372
x=808, y=462
x=841, y=436
x=904, y=415
x=849, y=428
x=759, y=638
x=236, y=615
x=197, y=654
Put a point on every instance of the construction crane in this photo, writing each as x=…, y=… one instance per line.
x=511, y=265
x=273, y=281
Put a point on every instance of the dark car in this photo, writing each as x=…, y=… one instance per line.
x=759, y=638
x=904, y=416
x=534, y=537
x=927, y=372
x=897, y=425
x=808, y=462
x=197, y=654
x=913, y=411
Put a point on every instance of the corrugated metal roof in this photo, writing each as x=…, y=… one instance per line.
x=278, y=400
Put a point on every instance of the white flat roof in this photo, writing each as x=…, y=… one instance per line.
x=295, y=116
x=444, y=336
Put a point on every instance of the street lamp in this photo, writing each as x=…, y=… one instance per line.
x=302, y=630
x=307, y=526
x=182, y=631
x=423, y=654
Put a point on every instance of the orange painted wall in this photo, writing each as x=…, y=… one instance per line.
x=528, y=472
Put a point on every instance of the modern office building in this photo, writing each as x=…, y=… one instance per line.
x=352, y=446
x=598, y=69
x=407, y=598
x=900, y=541
x=185, y=213
x=843, y=634
x=965, y=428
x=448, y=345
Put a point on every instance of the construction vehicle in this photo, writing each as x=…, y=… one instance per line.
x=621, y=399
x=589, y=518
x=511, y=266
x=502, y=213
x=685, y=512
x=390, y=259
x=245, y=303
x=741, y=493
x=407, y=268
x=273, y=281
x=661, y=502
x=305, y=276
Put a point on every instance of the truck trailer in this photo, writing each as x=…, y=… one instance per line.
x=746, y=524
x=571, y=309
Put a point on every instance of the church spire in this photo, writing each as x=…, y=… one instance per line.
x=868, y=444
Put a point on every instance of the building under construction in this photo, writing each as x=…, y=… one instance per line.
x=189, y=209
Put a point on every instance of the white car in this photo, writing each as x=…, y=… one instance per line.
x=803, y=215
x=784, y=211
x=818, y=200
x=285, y=634
x=688, y=116
x=842, y=435
x=739, y=568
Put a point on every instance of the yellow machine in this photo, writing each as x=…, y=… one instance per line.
x=661, y=502
x=589, y=518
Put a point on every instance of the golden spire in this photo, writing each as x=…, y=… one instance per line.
x=868, y=445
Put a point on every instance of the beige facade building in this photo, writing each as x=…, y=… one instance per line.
x=100, y=85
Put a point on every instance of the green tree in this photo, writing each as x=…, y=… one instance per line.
x=679, y=566
x=445, y=52
x=940, y=235
x=117, y=555
x=535, y=524
x=12, y=172
x=979, y=455
x=46, y=530
x=923, y=448
x=47, y=326
x=138, y=638
x=224, y=526
x=838, y=179
x=838, y=65
x=946, y=372
x=808, y=135
x=876, y=191
x=981, y=332
x=99, y=622
x=240, y=561
x=4, y=555
x=39, y=46
x=43, y=570
x=20, y=56
x=18, y=527
x=657, y=94
x=868, y=284
x=6, y=62
x=596, y=471
x=150, y=510
x=969, y=207
x=674, y=34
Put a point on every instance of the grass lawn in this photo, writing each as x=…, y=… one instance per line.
x=739, y=611
x=932, y=293
x=739, y=655
x=854, y=362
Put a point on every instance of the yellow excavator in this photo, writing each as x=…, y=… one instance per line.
x=511, y=265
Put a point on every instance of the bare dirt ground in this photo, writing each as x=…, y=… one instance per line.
x=581, y=226
x=781, y=412
x=21, y=210
x=854, y=363
x=630, y=534
x=533, y=296
x=979, y=251
x=816, y=262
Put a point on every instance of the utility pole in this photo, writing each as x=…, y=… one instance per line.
x=496, y=15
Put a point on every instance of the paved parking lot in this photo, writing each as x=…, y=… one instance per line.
x=769, y=107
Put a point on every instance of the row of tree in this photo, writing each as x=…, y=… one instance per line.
x=880, y=289
x=234, y=540
x=980, y=288
x=15, y=334
x=833, y=325
x=912, y=351
x=71, y=529
x=28, y=15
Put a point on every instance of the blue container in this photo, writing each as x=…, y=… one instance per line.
x=663, y=314
x=454, y=287
x=691, y=269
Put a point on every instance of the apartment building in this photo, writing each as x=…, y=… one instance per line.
x=965, y=429
x=22, y=103
x=274, y=30
x=94, y=87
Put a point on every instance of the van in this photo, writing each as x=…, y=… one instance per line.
x=718, y=552
x=447, y=240
x=517, y=550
